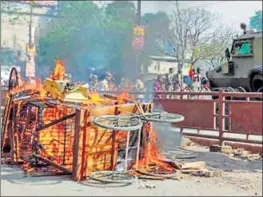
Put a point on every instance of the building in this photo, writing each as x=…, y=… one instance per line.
x=160, y=65
x=19, y=22
x=15, y=23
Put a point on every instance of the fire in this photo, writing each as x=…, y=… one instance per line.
x=123, y=98
x=53, y=139
x=59, y=71
x=55, y=142
x=153, y=160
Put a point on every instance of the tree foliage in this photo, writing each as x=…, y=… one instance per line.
x=255, y=21
x=88, y=36
x=156, y=32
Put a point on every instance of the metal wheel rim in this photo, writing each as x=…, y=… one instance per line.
x=158, y=175
x=132, y=179
x=10, y=85
x=153, y=117
x=138, y=124
x=99, y=184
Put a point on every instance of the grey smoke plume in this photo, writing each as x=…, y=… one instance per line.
x=168, y=136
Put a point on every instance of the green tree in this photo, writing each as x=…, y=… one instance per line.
x=255, y=22
x=120, y=17
x=156, y=32
x=88, y=36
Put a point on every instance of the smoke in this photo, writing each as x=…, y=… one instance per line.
x=168, y=136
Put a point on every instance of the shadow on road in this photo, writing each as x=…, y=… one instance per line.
x=15, y=175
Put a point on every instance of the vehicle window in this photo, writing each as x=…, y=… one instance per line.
x=242, y=48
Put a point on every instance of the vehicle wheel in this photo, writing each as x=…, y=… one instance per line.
x=257, y=83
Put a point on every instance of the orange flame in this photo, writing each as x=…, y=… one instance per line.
x=59, y=71
x=152, y=156
x=56, y=141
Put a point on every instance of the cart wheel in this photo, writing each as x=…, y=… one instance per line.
x=120, y=123
x=162, y=117
x=13, y=79
x=113, y=177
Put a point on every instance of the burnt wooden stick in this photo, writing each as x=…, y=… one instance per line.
x=116, y=98
x=56, y=122
x=52, y=164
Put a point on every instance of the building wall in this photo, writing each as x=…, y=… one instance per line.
x=162, y=67
x=15, y=33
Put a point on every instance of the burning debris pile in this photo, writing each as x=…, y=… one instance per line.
x=60, y=127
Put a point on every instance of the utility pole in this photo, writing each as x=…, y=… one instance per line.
x=30, y=26
x=139, y=12
x=30, y=65
x=138, y=66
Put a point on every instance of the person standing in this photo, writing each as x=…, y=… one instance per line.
x=191, y=73
x=170, y=80
x=177, y=81
x=121, y=86
x=197, y=80
x=112, y=85
x=104, y=84
x=158, y=86
x=139, y=87
x=94, y=83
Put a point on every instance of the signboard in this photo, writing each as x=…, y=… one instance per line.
x=138, y=43
x=30, y=69
x=138, y=31
x=42, y=3
x=138, y=38
x=30, y=65
x=31, y=50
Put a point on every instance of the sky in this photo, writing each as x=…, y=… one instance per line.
x=232, y=12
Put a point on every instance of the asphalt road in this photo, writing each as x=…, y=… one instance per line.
x=240, y=178
x=13, y=183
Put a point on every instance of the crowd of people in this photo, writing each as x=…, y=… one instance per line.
x=169, y=82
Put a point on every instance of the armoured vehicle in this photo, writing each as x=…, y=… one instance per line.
x=244, y=64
